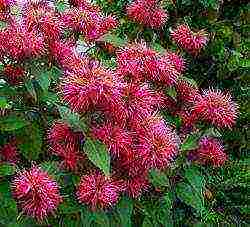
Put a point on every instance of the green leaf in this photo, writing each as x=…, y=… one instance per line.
x=158, y=178
x=124, y=210
x=31, y=89
x=147, y=222
x=188, y=195
x=98, y=154
x=12, y=123
x=113, y=39
x=6, y=169
x=4, y=102
x=44, y=80
x=32, y=141
x=190, y=143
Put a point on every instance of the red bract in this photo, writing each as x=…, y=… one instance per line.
x=189, y=40
x=216, y=107
x=115, y=138
x=13, y=74
x=99, y=191
x=19, y=43
x=98, y=86
x=148, y=13
x=210, y=151
x=9, y=153
x=36, y=193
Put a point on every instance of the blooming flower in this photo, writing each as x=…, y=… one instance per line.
x=210, y=151
x=99, y=191
x=147, y=12
x=9, y=153
x=216, y=107
x=176, y=60
x=36, y=193
x=187, y=39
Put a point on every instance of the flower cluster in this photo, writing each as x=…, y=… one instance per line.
x=191, y=41
x=147, y=12
x=36, y=193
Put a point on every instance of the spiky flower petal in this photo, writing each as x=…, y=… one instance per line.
x=36, y=193
x=9, y=153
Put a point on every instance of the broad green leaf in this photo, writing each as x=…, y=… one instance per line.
x=188, y=195
x=190, y=143
x=32, y=141
x=12, y=123
x=164, y=214
x=4, y=102
x=98, y=154
x=44, y=80
x=158, y=178
x=6, y=169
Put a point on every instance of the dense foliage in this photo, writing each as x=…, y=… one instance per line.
x=124, y=113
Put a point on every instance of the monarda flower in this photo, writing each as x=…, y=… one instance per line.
x=211, y=152
x=147, y=12
x=36, y=193
x=99, y=85
x=19, y=43
x=217, y=108
x=99, y=191
x=9, y=153
x=187, y=39
x=117, y=139
x=187, y=93
x=13, y=74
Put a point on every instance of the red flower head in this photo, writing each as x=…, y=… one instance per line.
x=99, y=85
x=176, y=60
x=187, y=39
x=18, y=43
x=36, y=193
x=210, y=151
x=186, y=92
x=136, y=185
x=14, y=74
x=216, y=107
x=9, y=153
x=115, y=138
x=99, y=191
x=148, y=13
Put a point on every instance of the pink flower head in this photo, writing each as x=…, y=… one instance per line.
x=176, y=60
x=136, y=185
x=148, y=13
x=114, y=137
x=161, y=143
x=210, y=151
x=140, y=99
x=89, y=21
x=9, y=153
x=133, y=59
x=99, y=85
x=217, y=107
x=19, y=43
x=186, y=92
x=99, y=191
x=14, y=74
x=187, y=39
x=36, y=193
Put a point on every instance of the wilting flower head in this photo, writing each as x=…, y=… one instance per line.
x=216, y=107
x=13, y=74
x=117, y=139
x=9, y=153
x=36, y=193
x=99, y=85
x=189, y=40
x=147, y=12
x=210, y=151
x=19, y=43
x=186, y=92
x=99, y=191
